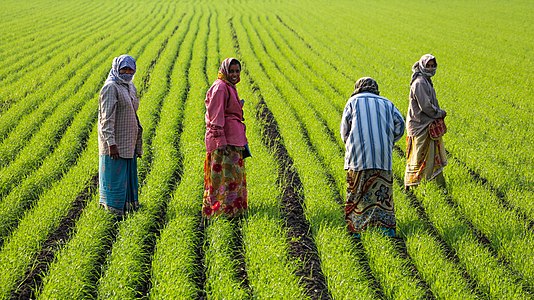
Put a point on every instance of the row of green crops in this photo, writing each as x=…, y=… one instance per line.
x=35, y=153
x=24, y=245
x=91, y=261
x=300, y=61
x=316, y=189
x=474, y=82
x=516, y=233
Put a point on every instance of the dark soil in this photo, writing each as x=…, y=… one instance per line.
x=33, y=277
x=498, y=192
x=239, y=253
x=301, y=243
x=364, y=263
x=200, y=272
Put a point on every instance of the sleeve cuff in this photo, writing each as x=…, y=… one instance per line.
x=111, y=142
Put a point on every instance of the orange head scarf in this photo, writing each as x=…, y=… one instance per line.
x=225, y=67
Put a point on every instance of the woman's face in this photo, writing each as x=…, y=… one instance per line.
x=126, y=70
x=431, y=64
x=234, y=73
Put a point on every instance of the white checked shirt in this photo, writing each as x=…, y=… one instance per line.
x=117, y=119
x=369, y=127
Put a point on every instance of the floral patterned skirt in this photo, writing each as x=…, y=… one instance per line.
x=425, y=158
x=225, y=184
x=369, y=200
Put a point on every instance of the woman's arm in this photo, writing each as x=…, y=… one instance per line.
x=346, y=122
x=215, y=108
x=398, y=125
x=139, y=141
x=108, y=106
x=424, y=96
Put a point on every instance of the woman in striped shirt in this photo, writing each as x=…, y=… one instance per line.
x=370, y=125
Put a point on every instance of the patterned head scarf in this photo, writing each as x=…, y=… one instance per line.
x=419, y=68
x=119, y=63
x=225, y=68
x=366, y=84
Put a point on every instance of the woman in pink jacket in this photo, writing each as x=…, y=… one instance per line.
x=225, y=185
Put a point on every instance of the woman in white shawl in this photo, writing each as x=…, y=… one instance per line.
x=425, y=157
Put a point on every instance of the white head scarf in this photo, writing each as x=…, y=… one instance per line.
x=119, y=63
x=419, y=67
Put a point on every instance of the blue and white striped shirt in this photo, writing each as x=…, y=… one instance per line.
x=369, y=127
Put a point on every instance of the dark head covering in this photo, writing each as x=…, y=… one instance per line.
x=225, y=68
x=366, y=84
x=419, y=68
x=119, y=63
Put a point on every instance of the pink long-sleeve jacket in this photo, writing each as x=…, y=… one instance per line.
x=224, y=117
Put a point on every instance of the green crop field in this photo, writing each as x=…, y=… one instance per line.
x=300, y=62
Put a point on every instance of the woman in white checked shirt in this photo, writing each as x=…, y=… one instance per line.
x=119, y=137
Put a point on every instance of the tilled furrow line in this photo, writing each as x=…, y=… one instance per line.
x=301, y=243
x=33, y=278
x=482, y=239
x=309, y=46
x=454, y=245
x=501, y=196
x=200, y=270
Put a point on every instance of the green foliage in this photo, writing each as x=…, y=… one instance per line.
x=129, y=263
x=80, y=259
x=301, y=59
x=20, y=248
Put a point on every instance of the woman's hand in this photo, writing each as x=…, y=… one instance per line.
x=114, y=152
x=223, y=149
